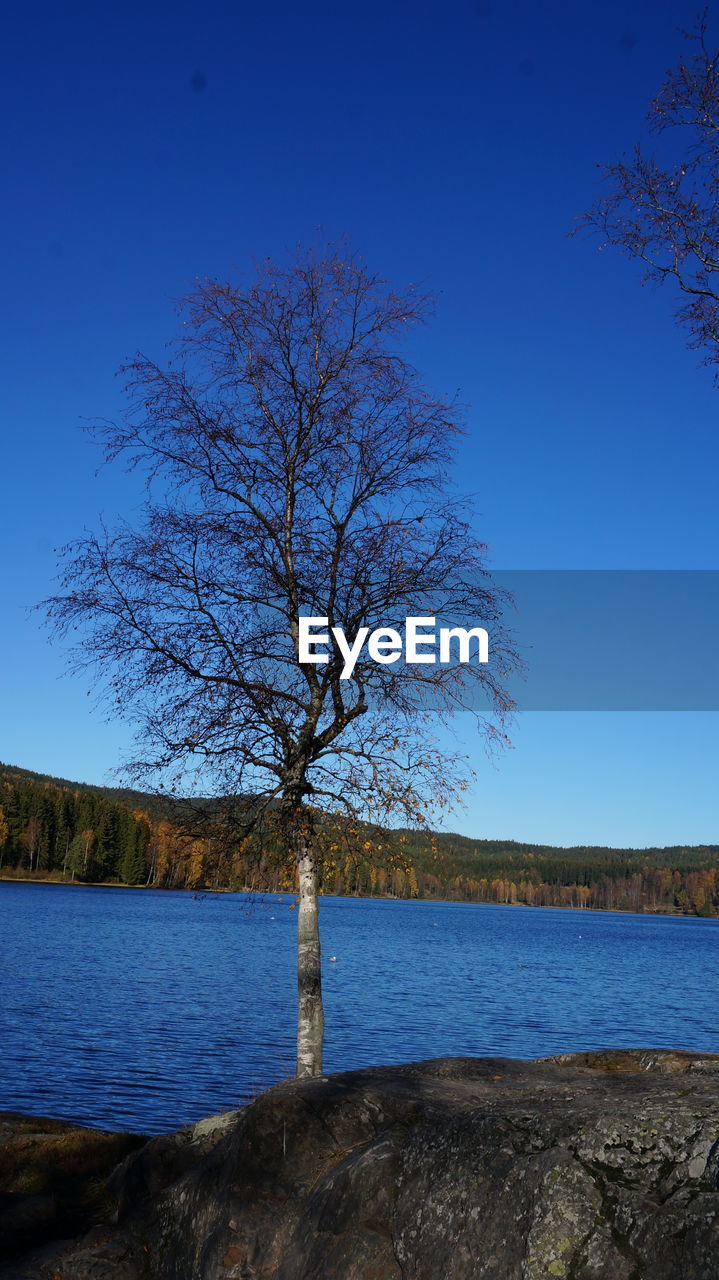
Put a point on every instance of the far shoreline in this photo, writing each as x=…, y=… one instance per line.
x=201, y=892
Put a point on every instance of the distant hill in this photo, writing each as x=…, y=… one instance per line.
x=55, y=828
x=152, y=804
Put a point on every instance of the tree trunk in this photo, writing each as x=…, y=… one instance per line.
x=310, y=1014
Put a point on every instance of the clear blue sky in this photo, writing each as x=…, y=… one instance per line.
x=452, y=144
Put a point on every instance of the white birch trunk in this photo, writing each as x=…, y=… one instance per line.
x=310, y=1014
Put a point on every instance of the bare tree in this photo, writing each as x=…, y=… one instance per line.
x=664, y=209
x=296, y=466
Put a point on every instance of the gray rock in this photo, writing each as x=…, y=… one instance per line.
x=582, y=1167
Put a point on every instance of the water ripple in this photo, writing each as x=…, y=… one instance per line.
x=144, y=1010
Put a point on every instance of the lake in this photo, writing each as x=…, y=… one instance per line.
x=143, y=1010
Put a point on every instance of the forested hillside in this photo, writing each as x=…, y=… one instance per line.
x=54, y=829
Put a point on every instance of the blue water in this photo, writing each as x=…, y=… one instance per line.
x=133, y=1009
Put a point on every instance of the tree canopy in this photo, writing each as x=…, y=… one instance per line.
x=297, y=466
x=661, y=206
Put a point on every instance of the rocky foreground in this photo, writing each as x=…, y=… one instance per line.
x=598, y=1166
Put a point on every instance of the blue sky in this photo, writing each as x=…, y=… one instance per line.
x=454, y=145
